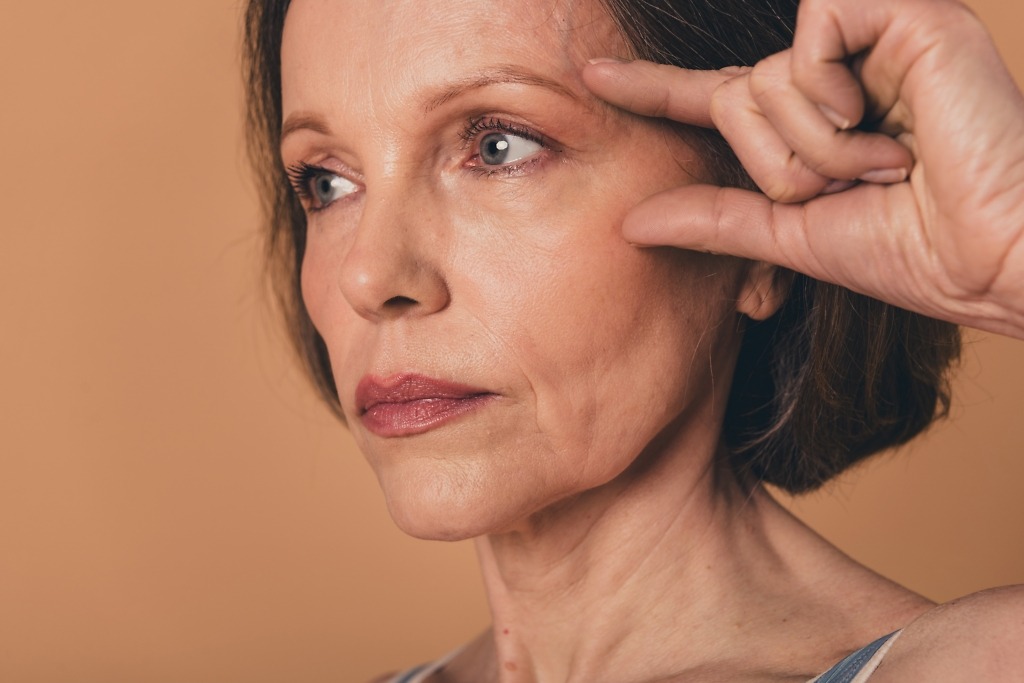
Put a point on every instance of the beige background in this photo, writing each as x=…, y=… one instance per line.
x=174, y=504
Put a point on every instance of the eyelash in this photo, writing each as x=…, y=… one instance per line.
x=300, y=175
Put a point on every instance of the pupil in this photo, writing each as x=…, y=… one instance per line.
x=494, y=149
x=325, y=186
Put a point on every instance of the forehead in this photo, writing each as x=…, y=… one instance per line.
x=386, y=50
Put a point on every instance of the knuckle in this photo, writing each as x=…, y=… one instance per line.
x=946, y=19
x=812, y=7
x=762, y=84
x=779, y=190
x=790, y=194
x=803, y=68
x=729, y=97
x=790, y=185
x=731, y=93
x=770, y=75
x=823, y=164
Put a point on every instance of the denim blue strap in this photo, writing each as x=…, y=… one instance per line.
x=409, y=675
x=844, y=671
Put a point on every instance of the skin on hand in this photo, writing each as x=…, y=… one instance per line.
x=935, y=223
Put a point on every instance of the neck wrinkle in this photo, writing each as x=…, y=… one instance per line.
x=654, y=552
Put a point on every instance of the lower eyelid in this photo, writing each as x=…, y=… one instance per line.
x=337, y=205
x=513, y=169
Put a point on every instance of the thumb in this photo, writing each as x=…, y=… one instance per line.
x=711, y=219
x=846, y=239
x=825, y=238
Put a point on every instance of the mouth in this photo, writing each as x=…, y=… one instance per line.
x=408, y=404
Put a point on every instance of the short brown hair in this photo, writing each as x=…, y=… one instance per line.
x=829, y=380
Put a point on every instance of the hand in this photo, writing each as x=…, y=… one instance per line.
x=926, y=211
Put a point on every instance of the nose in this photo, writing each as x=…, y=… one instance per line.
x=394, y=265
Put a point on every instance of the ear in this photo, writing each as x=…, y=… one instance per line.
x=763, y=289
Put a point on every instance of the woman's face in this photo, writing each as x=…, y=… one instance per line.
x=497, y=345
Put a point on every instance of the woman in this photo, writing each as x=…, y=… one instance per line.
x=448, y=198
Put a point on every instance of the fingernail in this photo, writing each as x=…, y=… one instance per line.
x=607, y=60
x=885, y=176
x=837, y=119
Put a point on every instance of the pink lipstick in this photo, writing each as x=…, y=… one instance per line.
x=404, y=405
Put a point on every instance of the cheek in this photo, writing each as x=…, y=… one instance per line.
x=314, y=275
x=610, y=340
x=332, y=317
x=312, y=278
x=635, y=349
x=321, y=292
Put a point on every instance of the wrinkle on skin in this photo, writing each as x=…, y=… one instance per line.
x=601, y=444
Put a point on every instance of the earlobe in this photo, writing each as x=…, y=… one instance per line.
x=763, y=290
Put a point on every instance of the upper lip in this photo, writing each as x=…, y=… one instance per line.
x=406, y=387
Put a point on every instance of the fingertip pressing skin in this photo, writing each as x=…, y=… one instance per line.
x=607, y=78
x=604, y=76
x=655, y=90
x=608, y=60
x=723, y=220
x=683, y=217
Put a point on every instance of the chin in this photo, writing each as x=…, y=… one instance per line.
x=439, y=504
x=434, y=505
x=438, y=519
x=429, y=529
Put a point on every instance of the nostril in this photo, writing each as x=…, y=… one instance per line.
x=400, y=302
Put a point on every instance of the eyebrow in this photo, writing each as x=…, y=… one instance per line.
x=304, y=121
x=494, y=76
x=443, y=94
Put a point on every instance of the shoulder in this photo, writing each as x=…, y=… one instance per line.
x=975, y=638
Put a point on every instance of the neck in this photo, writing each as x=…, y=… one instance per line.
x=659, y=572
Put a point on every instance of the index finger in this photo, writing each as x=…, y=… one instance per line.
x=657, y=90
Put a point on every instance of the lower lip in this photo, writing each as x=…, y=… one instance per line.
x=407, y=418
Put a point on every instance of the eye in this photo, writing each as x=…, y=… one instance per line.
x=501, y=148
x=327, y=187
x=319, y=186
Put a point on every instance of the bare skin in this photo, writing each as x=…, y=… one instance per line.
x=938, y=225
x=935, y=222
x=755, y=596
x=614, y=547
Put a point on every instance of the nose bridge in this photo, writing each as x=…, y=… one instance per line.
x=394, y=266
